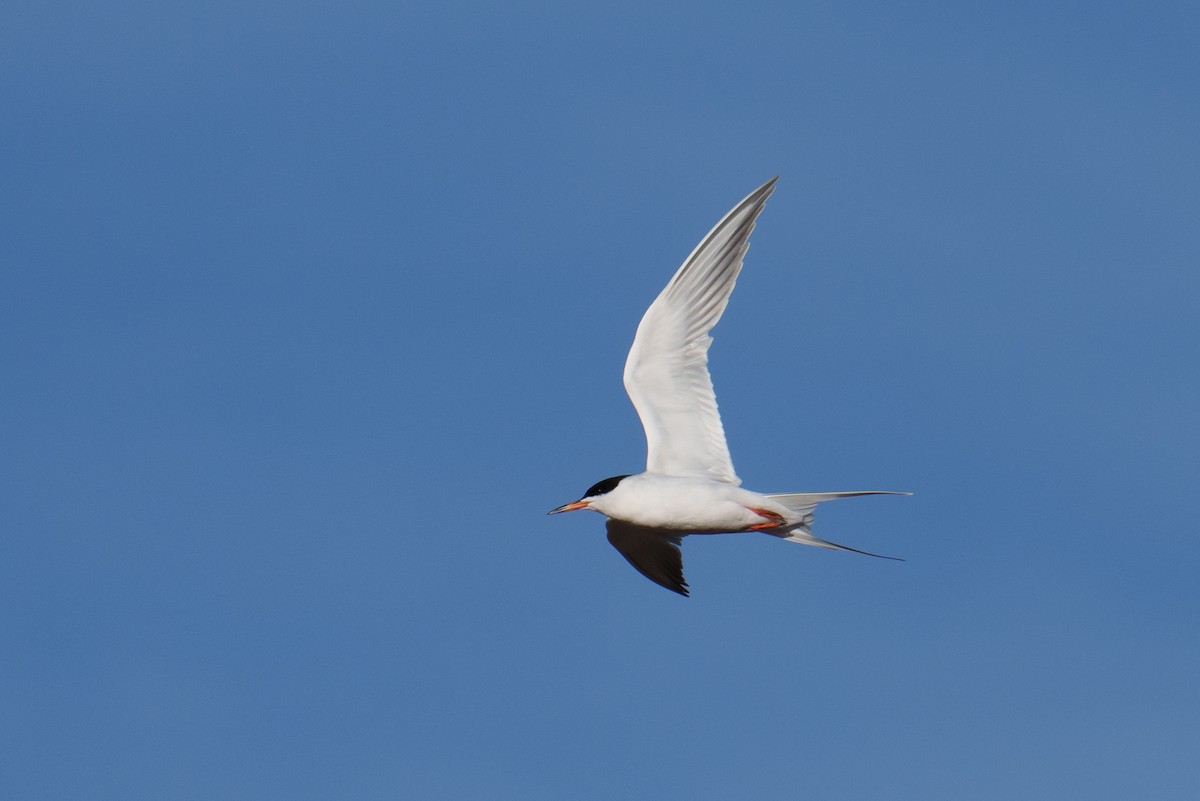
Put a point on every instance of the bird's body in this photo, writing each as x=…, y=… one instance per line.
x=684, y=503
x=689, y=486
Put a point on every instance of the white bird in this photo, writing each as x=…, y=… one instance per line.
x=689, y=486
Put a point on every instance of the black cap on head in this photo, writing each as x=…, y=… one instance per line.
x=604, y=487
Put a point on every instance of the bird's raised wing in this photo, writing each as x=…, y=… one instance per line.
x=666, y=373
x=653, y=552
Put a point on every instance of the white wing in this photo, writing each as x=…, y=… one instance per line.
x=666, y=374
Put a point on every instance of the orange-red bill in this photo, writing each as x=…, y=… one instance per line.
x=569, y=507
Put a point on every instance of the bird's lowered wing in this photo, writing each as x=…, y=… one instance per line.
x=653, y=552
x=666, y=373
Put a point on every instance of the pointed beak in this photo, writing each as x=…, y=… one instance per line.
x=569, y=507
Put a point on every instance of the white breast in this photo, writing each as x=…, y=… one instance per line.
x=681, y=504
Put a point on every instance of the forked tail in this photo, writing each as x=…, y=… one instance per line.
x=799, y=525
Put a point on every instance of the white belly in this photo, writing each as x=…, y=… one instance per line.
x=682, y=504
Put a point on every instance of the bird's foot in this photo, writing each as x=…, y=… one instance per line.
x=773, y=519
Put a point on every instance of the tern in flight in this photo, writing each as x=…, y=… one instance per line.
x=689, y=486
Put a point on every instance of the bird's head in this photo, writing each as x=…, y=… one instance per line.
x=596, y=491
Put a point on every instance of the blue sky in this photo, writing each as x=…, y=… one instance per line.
x=309, y=312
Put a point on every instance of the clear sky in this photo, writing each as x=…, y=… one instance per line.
x=309, y=312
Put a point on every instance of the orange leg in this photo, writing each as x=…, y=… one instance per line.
x=773, y=519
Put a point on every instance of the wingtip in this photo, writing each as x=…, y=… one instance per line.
x=767, y=188
x=759, y=196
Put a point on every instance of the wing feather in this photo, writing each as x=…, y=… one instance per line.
x=653, y=552
x=666, y=373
